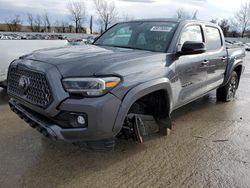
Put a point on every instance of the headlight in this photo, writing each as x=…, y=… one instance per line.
x=90, y=86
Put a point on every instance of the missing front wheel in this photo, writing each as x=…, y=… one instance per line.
x=137, y=127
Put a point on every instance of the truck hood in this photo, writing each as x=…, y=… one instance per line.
x=89, y=60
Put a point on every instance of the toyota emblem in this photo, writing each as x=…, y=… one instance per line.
x=24, y=83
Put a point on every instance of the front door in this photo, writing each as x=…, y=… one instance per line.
x=191, y=69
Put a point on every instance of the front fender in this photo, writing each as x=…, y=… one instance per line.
x=136, y=93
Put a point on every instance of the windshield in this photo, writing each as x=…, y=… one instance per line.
x=151, y=36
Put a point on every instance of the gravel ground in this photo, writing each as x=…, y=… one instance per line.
x=209, y=146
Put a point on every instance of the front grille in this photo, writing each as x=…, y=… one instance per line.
x=30, y=86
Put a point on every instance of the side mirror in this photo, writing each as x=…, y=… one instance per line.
x=191, y=47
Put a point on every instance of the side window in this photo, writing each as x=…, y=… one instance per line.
x=191, y=33
x=213, y=38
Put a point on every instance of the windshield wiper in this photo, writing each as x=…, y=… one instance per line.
x=129, y=47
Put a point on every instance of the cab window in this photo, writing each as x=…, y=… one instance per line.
x=214, y=41
x=191, y=33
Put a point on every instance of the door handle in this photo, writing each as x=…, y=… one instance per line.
x=205, y=63
x=223, y=58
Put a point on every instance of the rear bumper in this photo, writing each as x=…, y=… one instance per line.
x=101, y=114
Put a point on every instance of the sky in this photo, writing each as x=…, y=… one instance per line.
x=57, y=9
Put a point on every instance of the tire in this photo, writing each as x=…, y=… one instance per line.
x=227, y=92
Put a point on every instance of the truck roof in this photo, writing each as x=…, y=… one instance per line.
x=159, y=20
x=173, y=20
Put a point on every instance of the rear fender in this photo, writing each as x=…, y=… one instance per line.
x=231, y=67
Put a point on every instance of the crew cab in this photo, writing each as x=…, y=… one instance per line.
x=93, y=94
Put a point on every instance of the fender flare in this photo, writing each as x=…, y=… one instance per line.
x=236, y=63
x=136, y=93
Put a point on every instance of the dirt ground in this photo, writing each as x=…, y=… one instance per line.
x=209, y=146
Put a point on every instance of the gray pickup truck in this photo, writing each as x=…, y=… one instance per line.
x=92, y=94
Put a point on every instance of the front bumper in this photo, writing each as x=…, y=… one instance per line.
x=101, y=114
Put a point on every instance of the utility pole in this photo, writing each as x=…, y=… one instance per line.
x=91, y=25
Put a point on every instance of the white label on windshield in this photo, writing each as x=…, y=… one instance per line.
x=161, y=28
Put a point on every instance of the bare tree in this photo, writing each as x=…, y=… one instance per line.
x=195, y=15
x=225, y=26
x=57, y=26
x=77, y=10
x=46, y=22
x=214, y=21
x=31, y=21
x=184, y=14
x=71, y=27
x=106, y=12
x=242, y=18
x=14, y=24
x=64, y=26
x=37, y=23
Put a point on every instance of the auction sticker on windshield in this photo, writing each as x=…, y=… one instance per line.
x=161, y=28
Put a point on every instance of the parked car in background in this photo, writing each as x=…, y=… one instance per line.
x=13, y=49
x=246, y=46
x=230, y=42
x=91, y=39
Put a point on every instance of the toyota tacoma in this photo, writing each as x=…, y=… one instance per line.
x=134, y=73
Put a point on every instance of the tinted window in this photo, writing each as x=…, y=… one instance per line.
x=213, y=38
x=152, y=36
x=191, y=33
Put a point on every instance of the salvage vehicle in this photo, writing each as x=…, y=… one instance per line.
x=135, y=71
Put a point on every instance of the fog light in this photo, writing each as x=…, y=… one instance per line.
x=78, y=120
x=81, y=120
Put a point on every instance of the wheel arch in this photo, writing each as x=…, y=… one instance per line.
x=237, y=66
x=139, y=92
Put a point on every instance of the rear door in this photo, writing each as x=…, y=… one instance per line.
x=216, y=55
x=190, y=68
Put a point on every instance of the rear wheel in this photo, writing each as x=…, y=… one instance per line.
x=227, y=92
